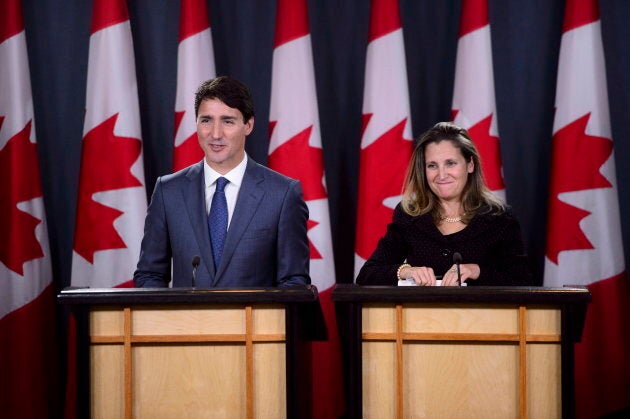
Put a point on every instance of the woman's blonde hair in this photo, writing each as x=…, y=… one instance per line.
x=419, y=199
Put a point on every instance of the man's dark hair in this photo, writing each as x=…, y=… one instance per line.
x=228, y=90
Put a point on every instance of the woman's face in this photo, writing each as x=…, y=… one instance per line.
x=446, y=170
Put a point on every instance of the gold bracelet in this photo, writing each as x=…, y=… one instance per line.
x=400, y=268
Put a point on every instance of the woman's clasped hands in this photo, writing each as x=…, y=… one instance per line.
x=425, y=276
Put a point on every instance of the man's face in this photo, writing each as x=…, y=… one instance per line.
x=221, y=132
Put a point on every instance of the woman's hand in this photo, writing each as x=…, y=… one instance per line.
x=466, y=270
x=421, y=275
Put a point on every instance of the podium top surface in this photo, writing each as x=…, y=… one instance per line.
x=118, y=296
x=525, y=295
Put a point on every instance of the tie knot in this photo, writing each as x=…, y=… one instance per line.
x=221, y=182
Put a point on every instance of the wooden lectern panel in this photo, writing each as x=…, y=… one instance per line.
x=544, y=386
x=461, y=351
x=543, y=321
x=195, y=381
x=107, y=397
x=179, y=352
x=266, y=321
x=188, y=321
x=379, y=364
x=218, y=361
x=379, y=319
x=431, y=318
x=460, y=380
x=107, y=322
x=429, y=360
x=269, y=366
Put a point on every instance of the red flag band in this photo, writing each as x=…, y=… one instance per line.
x=27, y=309
x=386, y=139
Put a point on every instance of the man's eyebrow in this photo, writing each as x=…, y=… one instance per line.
x=220, y=117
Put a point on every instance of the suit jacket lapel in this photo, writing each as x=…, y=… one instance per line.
x=194, y=196
x=249, y=197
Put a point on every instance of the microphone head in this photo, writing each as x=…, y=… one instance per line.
x=195, y=261
x=457, y=258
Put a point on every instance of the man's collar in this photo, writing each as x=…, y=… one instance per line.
x=234, y=176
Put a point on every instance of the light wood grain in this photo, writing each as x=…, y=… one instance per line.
x=379, y=375
x=461, y=362
x=195, y=381
x=269, y=320
x=163, y=362
x=379, y=319
x=544, y=382
x=269, y=381
x=188, y=321
x=452, y=319
x=543, y=321
x=106, y=322
x=107, y=381
x=461, y=381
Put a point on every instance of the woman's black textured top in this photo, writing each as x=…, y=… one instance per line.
x=492, y=241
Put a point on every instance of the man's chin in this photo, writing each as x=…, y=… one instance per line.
x=216, y=156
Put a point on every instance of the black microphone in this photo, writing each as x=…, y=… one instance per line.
x=457, y=259
x=195, y=262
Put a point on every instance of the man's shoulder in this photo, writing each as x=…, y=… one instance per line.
x=187, y=173
x=275, y=178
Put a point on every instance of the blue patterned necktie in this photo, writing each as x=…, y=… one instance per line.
x=218, y=220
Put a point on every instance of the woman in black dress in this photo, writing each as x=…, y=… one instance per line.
x=446, y=209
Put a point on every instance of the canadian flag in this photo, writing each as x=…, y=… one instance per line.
x=295, y=149
x=584, y=234
x=386, y=144
x=27, y=305
x=474, y=106
x=195, y=64
x=112, y=199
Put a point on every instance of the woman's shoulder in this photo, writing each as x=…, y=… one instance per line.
x=401, y=216
x=406, y=223
x=496, y=215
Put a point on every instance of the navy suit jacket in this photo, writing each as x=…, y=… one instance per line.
x=266, y=243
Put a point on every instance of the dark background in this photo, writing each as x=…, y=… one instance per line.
x=526, y=40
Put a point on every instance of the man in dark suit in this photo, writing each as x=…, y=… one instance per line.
x=244, y=223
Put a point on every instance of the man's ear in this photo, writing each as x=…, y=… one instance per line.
x=249, y=126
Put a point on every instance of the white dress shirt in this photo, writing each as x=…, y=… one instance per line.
x=235, y=178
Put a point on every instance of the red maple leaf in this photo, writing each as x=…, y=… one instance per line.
x=19, y=182
x=297, y=159
x=188, y=152
x=576, y=160
x=381, y=175
x=489, y=152
x=105, y=166
x=314, y=254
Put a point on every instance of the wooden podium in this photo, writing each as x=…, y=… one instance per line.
x=461, y=352
x=177, y=353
